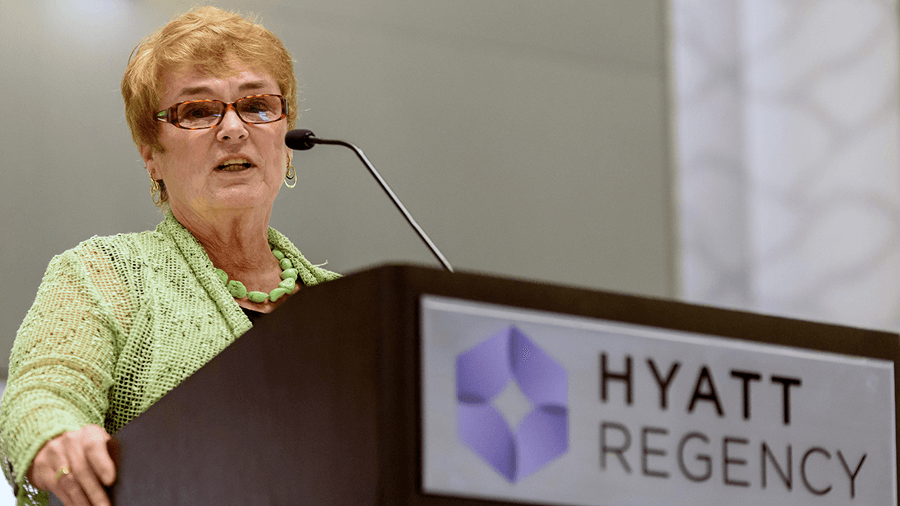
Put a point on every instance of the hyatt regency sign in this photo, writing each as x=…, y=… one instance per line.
x=536, y=407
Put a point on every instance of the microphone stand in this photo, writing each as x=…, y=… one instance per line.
x=301, y=140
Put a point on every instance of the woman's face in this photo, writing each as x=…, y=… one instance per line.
x=233, y=166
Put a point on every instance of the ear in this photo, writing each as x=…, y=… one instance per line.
x=150, y=161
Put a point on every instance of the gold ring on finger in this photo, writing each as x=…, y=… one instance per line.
x=64, y=470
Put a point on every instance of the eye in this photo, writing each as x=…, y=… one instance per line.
x=191, y=111
x=256, y=105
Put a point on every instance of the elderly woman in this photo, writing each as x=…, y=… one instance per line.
x=119, y=321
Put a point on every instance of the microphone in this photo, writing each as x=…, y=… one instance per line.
x=302, y=140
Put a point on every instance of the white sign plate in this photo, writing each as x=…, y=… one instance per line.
x=537, y=407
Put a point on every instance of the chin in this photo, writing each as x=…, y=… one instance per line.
x=242, y=200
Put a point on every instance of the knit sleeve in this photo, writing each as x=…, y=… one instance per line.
x=62, y=362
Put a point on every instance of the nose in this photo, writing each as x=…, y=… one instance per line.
x=232, y=126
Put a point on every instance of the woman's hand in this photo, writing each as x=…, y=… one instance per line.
x=74, y=466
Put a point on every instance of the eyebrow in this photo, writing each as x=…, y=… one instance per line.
x=199, y=90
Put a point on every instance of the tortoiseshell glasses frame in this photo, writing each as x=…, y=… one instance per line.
x=201, y=114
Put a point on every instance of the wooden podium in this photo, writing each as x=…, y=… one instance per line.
x=320, y=402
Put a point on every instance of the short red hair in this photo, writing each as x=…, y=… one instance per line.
x=208, y=38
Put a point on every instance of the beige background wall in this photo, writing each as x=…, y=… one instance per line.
x=529, y=138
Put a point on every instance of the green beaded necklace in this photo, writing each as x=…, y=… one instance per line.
x=288, y=277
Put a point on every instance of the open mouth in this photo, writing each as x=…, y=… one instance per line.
x=234, y=166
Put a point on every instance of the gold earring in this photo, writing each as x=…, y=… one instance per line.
x=290, y=178
x=156, y=192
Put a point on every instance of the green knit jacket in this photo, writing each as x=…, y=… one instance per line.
x=117, y=322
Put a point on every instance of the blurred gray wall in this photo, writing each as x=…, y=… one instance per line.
x=529, y=138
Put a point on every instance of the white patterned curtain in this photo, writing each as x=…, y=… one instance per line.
x=789, y=157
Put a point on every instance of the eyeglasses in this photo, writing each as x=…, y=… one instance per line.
x=199, y=114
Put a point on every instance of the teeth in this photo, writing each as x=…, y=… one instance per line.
x=235, y=163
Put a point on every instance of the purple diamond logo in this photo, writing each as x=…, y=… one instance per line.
x=482, y=372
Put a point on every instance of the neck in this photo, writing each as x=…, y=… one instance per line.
x=237, y=243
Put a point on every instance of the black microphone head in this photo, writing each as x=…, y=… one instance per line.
x=300, y=140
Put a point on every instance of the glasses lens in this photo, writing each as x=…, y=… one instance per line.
x=199, y=114
x=259, y=108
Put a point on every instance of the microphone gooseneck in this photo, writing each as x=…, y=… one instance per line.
x=302, y=140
